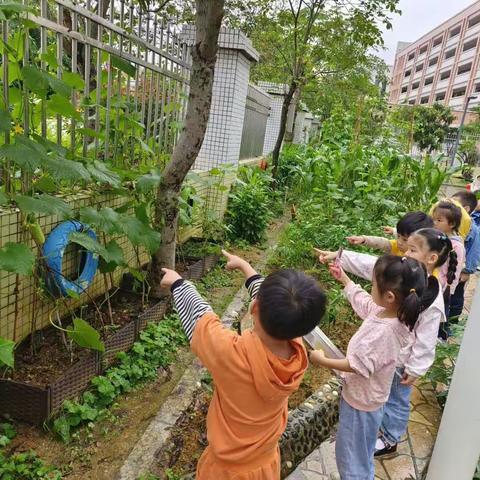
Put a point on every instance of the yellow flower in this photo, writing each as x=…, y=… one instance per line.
x=18, y=129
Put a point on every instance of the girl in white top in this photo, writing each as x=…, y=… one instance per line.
x=432, y=248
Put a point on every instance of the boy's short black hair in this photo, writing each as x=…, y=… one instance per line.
x=467, y=199
x=413, y=221
x=291, y=304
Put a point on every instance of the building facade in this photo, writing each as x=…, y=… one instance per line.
x=443, y=66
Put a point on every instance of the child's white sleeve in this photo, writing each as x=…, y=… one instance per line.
x=360, y=264
x=379, y=243
x=361, y=301
x=422, y=354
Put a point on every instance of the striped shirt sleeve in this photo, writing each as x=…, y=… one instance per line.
x=253, y=285
x=189, y=305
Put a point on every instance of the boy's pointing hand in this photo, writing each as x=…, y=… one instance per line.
x=169, y=278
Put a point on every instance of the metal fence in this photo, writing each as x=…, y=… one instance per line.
x=129, y=73
x=257, y=110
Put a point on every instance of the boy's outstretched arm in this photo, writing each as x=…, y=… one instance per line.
x=188, y=302
x=253, y=280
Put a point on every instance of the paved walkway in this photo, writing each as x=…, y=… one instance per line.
x=414, y=450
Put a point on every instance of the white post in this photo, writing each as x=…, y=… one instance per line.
x=457, y=447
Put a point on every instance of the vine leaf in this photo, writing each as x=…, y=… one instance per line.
x=5, y=121
x=43, y=204
x=115, y=254
x=103, y=174
x=17, y=258
x=85, y=335
x=107, y=220
x=24, y=152
x=148, y=182
x=6, y=352
x=110, y=255
x=123, y=65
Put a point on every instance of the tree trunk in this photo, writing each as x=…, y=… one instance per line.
x=290, y=127
x=283, y=126
x=204, y=54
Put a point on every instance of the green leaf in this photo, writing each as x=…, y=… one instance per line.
x=123, y=65
x=9, y=8
x=45, y=184
x=62, y=106
x=17, y=258
x=139, y=233
x=103, y=174
x=85, y=335
x=5, y=121
x=35, y=80
x=106, y=220
x=3, y=198
x=115, y=253
x=24, y=152
x=73, y=80
x=148, y=182
x=6, y=352
x=64, y=169
x=43, y=204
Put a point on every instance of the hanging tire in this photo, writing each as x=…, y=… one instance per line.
x=53, y=251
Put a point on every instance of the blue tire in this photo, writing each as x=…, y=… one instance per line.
x=53, y=251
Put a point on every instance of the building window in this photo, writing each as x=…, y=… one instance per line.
x=470, y=44
x=474, y=21
x=419, y=67
x=459, y=92
x=423, y=49
x=407, y=73
x=424, y=100
x=411, y=102
x=464, y=68
x=440, y=97
x=455, y=31
x=411, y=56
x=428, y=81
x=450, y=53
x=445, y=75
x=437, y=41
x=433, y=61
x=415, y=85
x=404, y=89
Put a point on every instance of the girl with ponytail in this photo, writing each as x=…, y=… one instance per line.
x=434, y=249
x=389, y=316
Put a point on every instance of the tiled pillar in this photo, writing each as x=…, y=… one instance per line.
x=230, y=86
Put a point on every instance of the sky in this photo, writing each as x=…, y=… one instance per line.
x=418, y=17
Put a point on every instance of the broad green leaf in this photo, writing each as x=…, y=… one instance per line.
x=90, y=132
x=74, y=80
x=61, y=105
x=85, y=335
x=64, y=169
x=45, y=184
x=43, y=204
x=9, y=8
x=139, y=275
x=35, y=80
x=24, y=152
x=123, y=65
x=103, y=174
x=5, y=121
x=148, y=182
x=105, y=220
x=6, y=352
x=139, y=233
x=17, y=258
x=109, y=255
x=115, y=254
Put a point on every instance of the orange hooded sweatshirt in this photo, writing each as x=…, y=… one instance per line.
x=249, y=409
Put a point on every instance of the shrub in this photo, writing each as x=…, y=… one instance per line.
x=249, y=206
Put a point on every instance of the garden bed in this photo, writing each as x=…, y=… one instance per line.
x=50, y=373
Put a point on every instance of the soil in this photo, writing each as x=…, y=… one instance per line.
x=99, y=453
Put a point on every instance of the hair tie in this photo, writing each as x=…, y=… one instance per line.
x=403, y=259
x=412, y=290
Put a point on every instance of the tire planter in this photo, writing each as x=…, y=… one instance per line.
x=53, y=251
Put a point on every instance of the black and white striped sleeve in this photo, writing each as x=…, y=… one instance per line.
x=189, y=305
x=253, y=285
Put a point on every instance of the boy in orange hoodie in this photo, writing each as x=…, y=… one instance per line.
x=253, y=373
